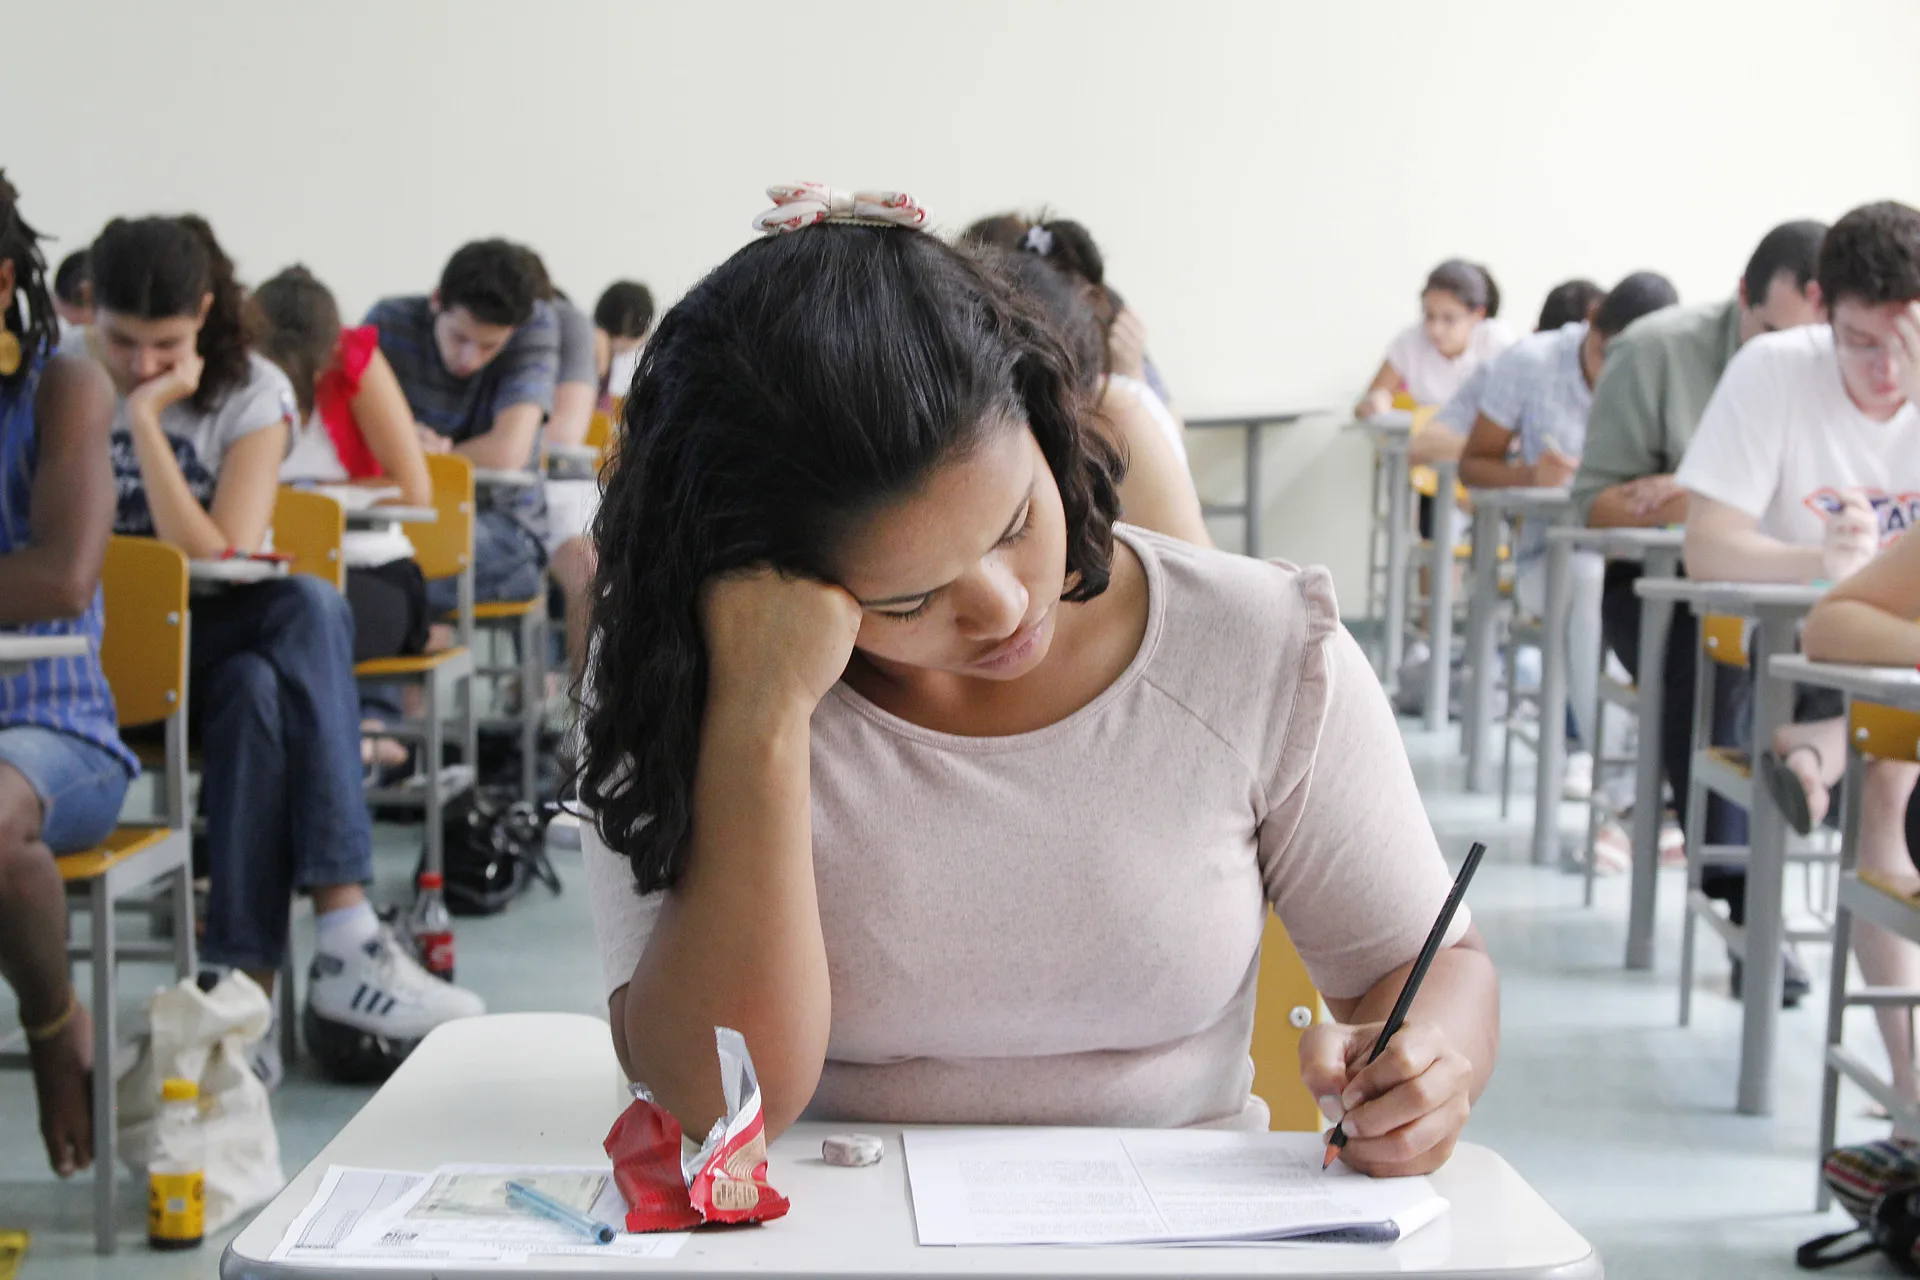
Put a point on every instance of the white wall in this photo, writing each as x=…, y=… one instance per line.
x=1270, y=180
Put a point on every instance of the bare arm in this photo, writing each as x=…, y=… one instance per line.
x=572, y=412
x=56, y=574
x=1435, y=443
x=1651, y=502
x=1484, y=462
x=1869, y=617
x=738, y=941
x=1378, y=397
x=1461, y=994
x=1158, y=491
x=243, y=494
x=508, y=445
x=1724, y=544
x=380, y=409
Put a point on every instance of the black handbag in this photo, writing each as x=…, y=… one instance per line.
x=495, y=847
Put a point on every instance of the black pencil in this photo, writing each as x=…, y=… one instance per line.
x=1338, y=1138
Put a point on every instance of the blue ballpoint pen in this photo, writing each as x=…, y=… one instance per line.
x=522, y=1196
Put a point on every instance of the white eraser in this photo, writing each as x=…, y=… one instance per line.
x=852, y=1150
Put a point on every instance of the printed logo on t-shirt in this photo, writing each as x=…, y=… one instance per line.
x=132, y=516
x=1897, y=512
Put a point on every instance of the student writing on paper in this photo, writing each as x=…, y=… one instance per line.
x=1458, y=331
x=961, y=801
x=1806, y=463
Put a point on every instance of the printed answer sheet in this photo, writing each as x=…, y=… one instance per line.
x=1132, y=1186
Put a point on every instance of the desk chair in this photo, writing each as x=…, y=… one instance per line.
x=524, y=620
x=1285, y=1005
x=1726, y=772
x=599, y=431
x=1874, y=732
x=1621, y=696
x=143, y=652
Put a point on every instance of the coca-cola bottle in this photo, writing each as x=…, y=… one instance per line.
x=431, y=927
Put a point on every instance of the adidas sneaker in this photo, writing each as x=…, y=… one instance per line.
x=381, y=990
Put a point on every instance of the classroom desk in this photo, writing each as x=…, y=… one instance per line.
x=18, y=652
x=1777, y=608
x=503, y=478
x=1491, y=508
x=1248, y=508
x=380, y=517
x=1657, y=551
x=1392, y=435
x=544, y=1087
x=214, y=574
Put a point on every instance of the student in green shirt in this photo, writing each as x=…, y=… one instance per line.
x=1658, y=377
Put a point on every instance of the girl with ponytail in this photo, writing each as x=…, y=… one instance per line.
x=199, y=433
x=1457, y=332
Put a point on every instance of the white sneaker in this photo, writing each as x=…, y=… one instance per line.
x=1577, y=782
x=380, y=989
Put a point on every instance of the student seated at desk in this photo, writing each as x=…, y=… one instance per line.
x=73, y=291
x=1869, y=619
x=960, y=801
x=1157, y=492
x=63, y=768
x=1458, y=331
x=1529, y=432
x=1657, y=379
x=476, y=360
x=1445, y=435
x=622, y=319
x=1806, y=461
x=199, y=431
x=353, y=428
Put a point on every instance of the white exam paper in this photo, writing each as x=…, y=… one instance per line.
x=1129, y=1186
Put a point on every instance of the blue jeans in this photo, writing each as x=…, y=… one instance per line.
x=508, y=564
x=80, y=784
x=279, y=722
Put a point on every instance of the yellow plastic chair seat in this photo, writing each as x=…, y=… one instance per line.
x=1734, y=758
x=412, y=665
x=124, y=843
x=1884, y=733
x=501, y=609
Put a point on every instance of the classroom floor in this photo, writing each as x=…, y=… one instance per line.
x=1623, y=1120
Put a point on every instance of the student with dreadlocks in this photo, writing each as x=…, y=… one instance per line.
x=63, y=770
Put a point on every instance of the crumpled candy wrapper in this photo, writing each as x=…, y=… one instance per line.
x=671, y=1185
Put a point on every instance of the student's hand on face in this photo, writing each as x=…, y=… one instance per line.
x=170, y=387
x=1555, y=470
x=1853, y=538
x=775, y=644
x=1402, y=1113
x=432, y=441
x=1127, y=344
x=1649, y=494
x=1905, y=342
x=1376, y=403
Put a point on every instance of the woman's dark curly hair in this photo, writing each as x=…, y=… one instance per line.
x=808, y=381
x=157, y=268
x=30, y=316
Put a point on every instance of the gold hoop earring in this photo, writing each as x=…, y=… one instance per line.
x=9, y=353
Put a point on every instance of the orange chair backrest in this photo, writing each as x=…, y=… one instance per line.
x=1884, y=733
x=143, y=649
x=1725, y=638
x=310, y=527
x=444, y=548
x=1284, y=987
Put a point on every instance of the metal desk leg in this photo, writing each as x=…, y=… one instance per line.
x=1551, y=757
x=1482, y=605
x=1393, y=458
x=1656, y=622
x=1440, y=602
x=1766, y=884
x=1253, y=489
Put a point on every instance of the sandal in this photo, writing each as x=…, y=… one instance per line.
x=1789, y=796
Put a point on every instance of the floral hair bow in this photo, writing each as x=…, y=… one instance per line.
x=805, y=203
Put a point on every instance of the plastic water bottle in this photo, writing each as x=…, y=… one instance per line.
x=177, y=1174
x=431, y=927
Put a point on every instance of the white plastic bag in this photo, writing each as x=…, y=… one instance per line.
x=204, y=1036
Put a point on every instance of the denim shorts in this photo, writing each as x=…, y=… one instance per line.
x=80, y=784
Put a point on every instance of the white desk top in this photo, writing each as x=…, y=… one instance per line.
x=376, y=517
x=573, y=452
x=1890, y=686
x=502, y=479
x=16, y=651
x=1748, y=599
x=235, y=572
x=1521, y=499
x=544, y=1088
x=1621, y=544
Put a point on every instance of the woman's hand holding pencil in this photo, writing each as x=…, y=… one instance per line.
x=1404, y=1111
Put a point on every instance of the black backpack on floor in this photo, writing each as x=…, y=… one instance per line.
x=496, y=847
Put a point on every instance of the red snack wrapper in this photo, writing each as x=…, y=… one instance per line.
x=668, y=1188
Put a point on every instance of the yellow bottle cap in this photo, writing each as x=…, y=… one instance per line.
x=178, y=1090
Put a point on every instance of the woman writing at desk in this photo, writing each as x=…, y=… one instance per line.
x=960, y=801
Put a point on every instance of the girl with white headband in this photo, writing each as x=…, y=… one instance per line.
x=962, y=801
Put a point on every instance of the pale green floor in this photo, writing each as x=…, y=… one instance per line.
x=1622, y=1119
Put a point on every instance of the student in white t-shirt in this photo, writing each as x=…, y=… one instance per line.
x=1458, y=331
x=1805, y=464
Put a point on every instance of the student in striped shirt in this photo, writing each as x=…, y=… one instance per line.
x=63, y=769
